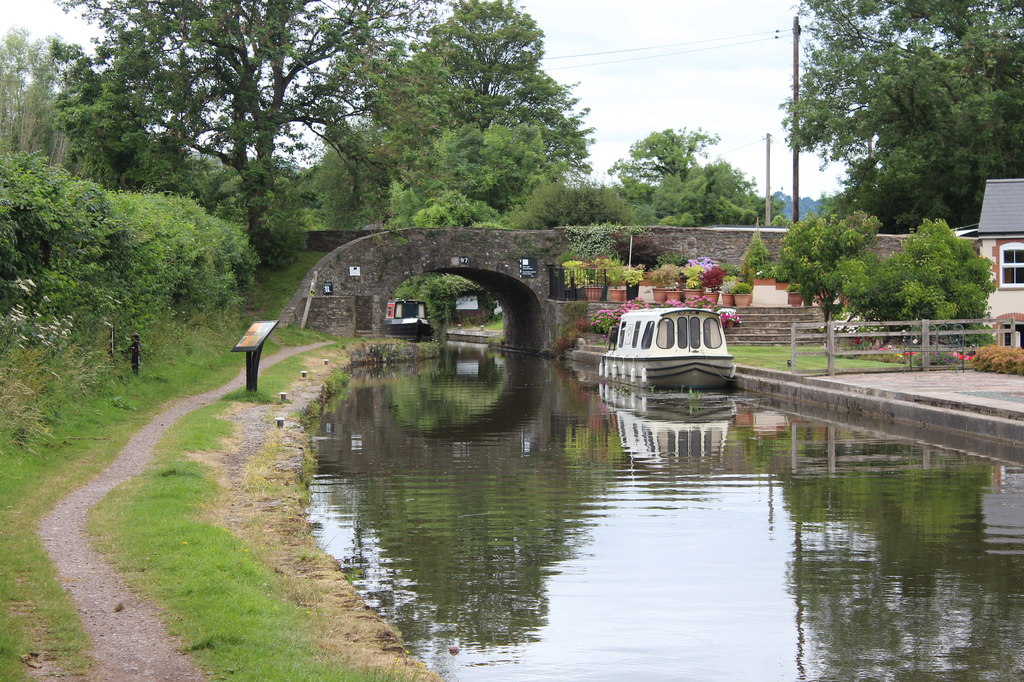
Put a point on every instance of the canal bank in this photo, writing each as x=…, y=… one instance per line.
x=962, y=406
x=981, y=412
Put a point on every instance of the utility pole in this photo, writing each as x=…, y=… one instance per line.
x=796, y=97
x=768, y=180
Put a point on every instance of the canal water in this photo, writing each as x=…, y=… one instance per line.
x=556, y=529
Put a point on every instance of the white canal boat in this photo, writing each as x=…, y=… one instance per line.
x=669, y=347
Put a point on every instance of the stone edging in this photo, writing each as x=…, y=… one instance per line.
x=920, y=411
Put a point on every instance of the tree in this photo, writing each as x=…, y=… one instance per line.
x=664, y=176
x=494, y=169
x=668, y=153
x=561, y=203
x=488, y=58
x=29, y=79
x=816, y=253
x=937, y=276
x=714, y=194
x=922, y=101
x=238, y=81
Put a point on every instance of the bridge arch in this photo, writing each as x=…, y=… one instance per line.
x=364, y=272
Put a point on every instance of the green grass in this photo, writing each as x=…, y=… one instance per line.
x=777, y=357
x=229, y=608
x=37, y=613
x=273, y=290
x=93, y=424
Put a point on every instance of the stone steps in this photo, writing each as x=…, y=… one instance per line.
x=770, y=326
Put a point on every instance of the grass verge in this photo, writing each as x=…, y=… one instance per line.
x=778, y=357
x=222, y=545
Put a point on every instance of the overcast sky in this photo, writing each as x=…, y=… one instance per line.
x=724, y=71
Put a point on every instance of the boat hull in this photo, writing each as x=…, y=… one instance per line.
x=680, y=371
x=411, y=330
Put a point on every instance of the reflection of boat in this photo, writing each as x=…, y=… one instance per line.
x=407, y=320
x=651, y=427
x=668, y=347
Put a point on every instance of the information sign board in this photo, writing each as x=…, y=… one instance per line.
x=527, y=268
x=254, y=336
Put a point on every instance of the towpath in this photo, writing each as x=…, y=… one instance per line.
x=129, y=640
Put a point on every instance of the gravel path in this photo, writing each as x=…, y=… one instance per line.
x=129, y=640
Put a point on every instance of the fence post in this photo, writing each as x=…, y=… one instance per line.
x=926, y=342
x=792, y=348
x=830, y=346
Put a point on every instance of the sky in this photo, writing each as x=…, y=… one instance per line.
x=723, y=71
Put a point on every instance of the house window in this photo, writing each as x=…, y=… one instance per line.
x=1011, y=259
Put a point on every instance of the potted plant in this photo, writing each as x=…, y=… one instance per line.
x=725, y=291
x=742, y=293
x=631, y=278
x=795, y=299
x=712, y=280
x=582, y=274
x=665, y=279
x=729, y=318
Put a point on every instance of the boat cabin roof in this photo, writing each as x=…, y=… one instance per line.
x=658, y=313
x=669, y=331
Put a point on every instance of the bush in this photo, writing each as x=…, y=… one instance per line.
x=73, y=255
x=558, y=204
x=1001, y=359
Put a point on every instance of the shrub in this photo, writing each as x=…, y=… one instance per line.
x=1001, y=359
x=558, y=204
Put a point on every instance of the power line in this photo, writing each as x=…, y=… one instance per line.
x=658, y=56
x=760, y=139
x=662, y=47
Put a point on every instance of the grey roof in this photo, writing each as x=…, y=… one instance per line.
x=1002, y=211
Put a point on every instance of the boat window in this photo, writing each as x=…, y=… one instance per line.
x=622, y=335
x=712, y=333
x=410, y=309
x=648, y=335
x=681, y=331
x=636, y=335
x=694, y=332
x=666, y=334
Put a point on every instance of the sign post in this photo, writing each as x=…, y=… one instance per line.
x=252, y=344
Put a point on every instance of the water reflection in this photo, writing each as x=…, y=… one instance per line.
x=555, y=530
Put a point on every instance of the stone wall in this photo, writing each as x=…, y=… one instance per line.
x=365, y=268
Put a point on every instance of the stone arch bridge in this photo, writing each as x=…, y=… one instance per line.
x=365, y=270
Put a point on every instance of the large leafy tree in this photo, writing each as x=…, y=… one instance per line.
x=937, y=276
x=662, y=154
x=29, y=80
x=817, y=252
x=239, y=80
x=488, y=55
x=665, y=174
x=923, y=101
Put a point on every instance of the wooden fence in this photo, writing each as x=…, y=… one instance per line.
x=920, y=344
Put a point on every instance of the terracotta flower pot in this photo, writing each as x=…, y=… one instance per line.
x=661, y=294
x=795, y=299
x=617, y=294
x=742, y=300
x=592, y=292
x=727, y=299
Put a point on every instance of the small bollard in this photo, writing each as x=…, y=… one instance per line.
x=284, y=396
x=326, y=361
x=303, y=374
x=280, y=422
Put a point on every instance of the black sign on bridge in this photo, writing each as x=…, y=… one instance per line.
x=527, y=268
x=252, y=344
